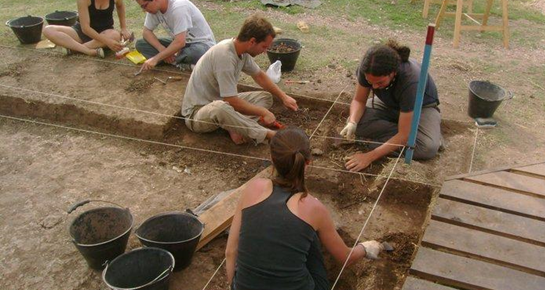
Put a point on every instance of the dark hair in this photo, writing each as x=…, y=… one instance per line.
x=383, y=59
x=256, y=26
x=290, y=150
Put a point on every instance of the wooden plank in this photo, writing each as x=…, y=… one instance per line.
x=538, y=169
x=413, y=283
x=480, y=172
x=493, y=248
x=494, y=198
x=493, y=221
x=512, y=181
x=466, y=273
x=220, y=216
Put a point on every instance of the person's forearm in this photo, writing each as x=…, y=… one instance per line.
x=230, y=268
x=121, y=14
x=356, y=111
x=391, y=145
x=150, y=37
x=265, y=82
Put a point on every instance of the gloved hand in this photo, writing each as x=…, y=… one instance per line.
x=349, y=130
x=372, y=249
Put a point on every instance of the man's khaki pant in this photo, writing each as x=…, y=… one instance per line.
x=219, y=114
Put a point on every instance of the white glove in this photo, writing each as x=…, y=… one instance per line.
x=349, y=131
x=372, y=249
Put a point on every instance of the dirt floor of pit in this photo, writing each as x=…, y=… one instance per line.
x=45, y=170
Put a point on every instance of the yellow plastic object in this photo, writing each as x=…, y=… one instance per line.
x=136, y=57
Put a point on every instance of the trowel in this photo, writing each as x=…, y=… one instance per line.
x=164, y=82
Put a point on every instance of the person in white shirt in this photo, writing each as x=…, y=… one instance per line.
x=190, y=34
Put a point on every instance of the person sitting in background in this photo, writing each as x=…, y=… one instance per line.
x=386, y=117
x=278, y=227
x=189, y=38
x=94, y=30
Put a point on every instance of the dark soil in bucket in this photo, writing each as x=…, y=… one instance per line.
x=282, y=48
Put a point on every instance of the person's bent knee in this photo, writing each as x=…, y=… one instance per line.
x=141, y=44
x=112, y=33
x=218, y=109
x=426, y=151
x=49, y=30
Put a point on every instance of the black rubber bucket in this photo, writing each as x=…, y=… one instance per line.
x=484, y=98
x=101, y=234
x=142, y=269
x=28, y=29
x=66, y=18
x=286, y=50
x=176, y=232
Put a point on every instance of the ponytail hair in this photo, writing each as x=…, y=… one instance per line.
x=290, y=152
x=384, y=59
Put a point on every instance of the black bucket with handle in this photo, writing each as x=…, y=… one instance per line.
x=101, y=234
x=140, y=269
x=28, y=29
x=286, y=50
x=484, y=98
x=65, y=18
x=177, y=232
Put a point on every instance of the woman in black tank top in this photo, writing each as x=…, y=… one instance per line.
x=278, y=228
x=94, y=30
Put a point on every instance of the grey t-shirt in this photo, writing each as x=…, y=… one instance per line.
x=216, y=76
x=401, y=95
x=182, y=15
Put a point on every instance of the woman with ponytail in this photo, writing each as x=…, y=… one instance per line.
x=387, y=71
x=278, y=228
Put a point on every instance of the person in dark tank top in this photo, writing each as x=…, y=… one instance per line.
x=279, y=227
x=94, y=31
x=382, y=108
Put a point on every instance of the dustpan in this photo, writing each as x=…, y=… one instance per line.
x=136, y=57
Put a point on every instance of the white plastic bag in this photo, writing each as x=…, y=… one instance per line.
x=274, y=72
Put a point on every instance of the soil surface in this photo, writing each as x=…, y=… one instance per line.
x=44, y=170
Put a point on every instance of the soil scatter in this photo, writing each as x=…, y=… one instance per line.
x=282, y=47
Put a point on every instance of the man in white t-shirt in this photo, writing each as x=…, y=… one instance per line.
x=190, y=34
x=211, y=98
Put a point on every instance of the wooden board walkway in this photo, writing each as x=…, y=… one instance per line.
x=487, y=231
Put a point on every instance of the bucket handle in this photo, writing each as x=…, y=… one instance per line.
x=84, y=202
x=161, y=276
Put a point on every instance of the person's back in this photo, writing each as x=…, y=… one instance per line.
x=278, y=227
x=271, y=225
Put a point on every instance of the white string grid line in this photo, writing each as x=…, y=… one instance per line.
x=327, y=113
x=171, y=145
x=213, y=275
x=367, y=221
x=187, y=74
x=473, y=152
x=165, y=115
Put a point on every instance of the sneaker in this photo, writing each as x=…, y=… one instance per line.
x=100, y=52
x=67, y=51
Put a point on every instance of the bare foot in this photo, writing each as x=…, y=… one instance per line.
x=237, y=138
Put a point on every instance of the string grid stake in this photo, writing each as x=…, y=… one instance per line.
x=420, y=90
